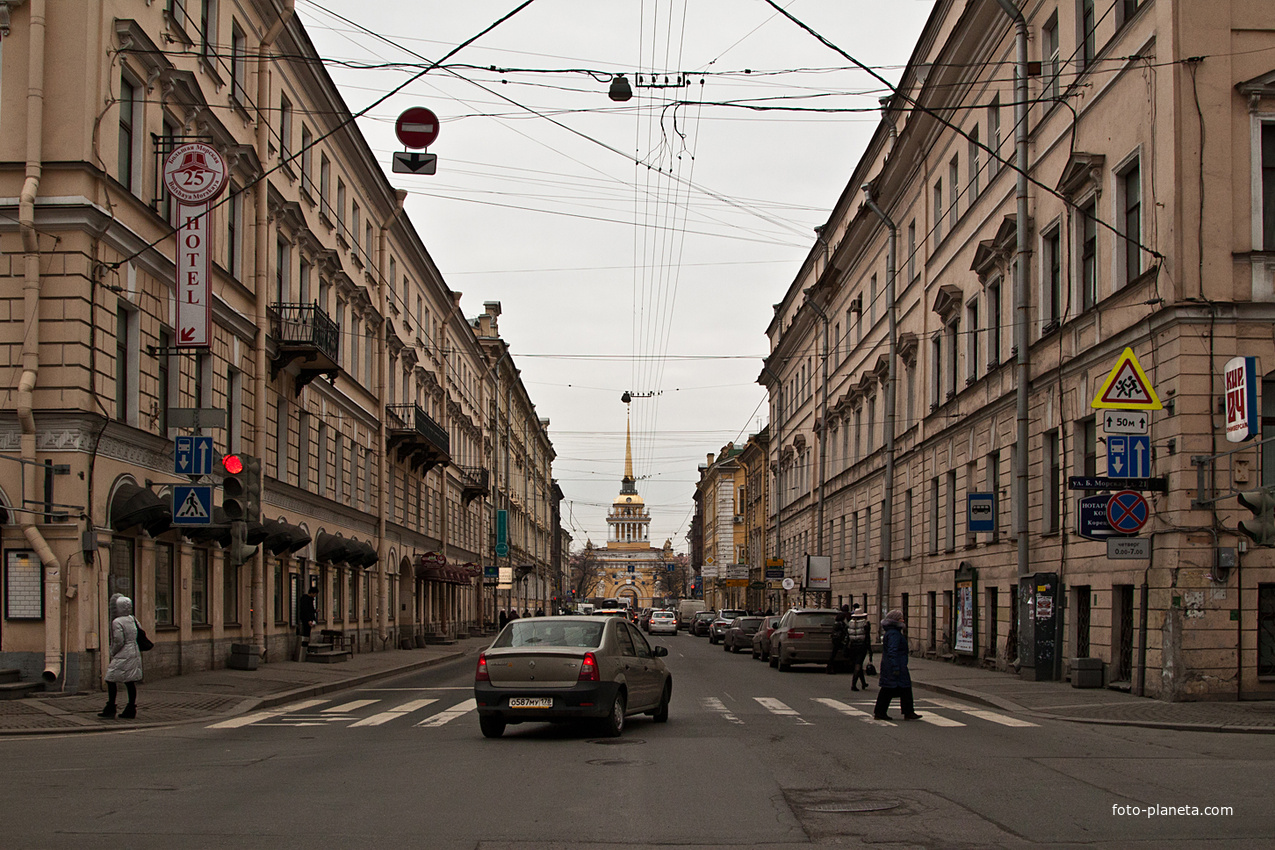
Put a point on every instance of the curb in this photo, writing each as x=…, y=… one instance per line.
x=975, y=696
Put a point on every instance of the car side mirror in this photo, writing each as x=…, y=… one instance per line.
x=659, y=651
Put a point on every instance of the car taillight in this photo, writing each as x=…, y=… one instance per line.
x=481, y=674
x=796, y=634
x=589, y=668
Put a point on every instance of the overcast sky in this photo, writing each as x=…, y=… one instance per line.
x=633, y=246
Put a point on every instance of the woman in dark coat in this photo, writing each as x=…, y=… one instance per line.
x=895, y=679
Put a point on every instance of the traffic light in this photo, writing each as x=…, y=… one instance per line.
x=1261, y=528
x=252, y=472
x=238, y=551
x=234, y=489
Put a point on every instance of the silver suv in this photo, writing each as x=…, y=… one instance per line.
x=717, y=630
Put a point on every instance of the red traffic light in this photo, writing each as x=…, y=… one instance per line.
x=233, y=464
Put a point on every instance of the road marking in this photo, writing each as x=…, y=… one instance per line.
x=939, y=720
x=394, y=713
x=850, y=711
x=775, y=706
x=258, y=716
x=450, y=714
x=982, y=714
x=348, y=707
x=716, y=705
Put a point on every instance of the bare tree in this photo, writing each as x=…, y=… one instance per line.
x=584, y=573
x=678, y=579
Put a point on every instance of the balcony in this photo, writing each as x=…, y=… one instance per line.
x=475, y=483
x=420, y=440
x=304, y=331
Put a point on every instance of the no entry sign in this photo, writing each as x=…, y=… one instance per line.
x=417, y=127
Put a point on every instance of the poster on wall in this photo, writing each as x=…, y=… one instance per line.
x=818, y=572
x=965, y=616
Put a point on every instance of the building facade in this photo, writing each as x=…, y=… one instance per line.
x=1040, y=196
x=337, y=354
x=725, y=568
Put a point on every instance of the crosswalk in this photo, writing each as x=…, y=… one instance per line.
x=433, y=712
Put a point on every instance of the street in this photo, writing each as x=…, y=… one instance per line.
x=750, y=757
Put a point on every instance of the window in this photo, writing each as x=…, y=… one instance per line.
x=199, y=587
x=130, y=135
x=353, y=594
x=936, y=370
x=1266, y=630
x=303, y=450
x=909, y=405
x=282, y=267
x=166, y=391
x=356, y=220
x=949, y=541
x=321, y=456
x=1268, y=187
x=974, y=157
x=1130, y=200
x=1049, y=55
x=951, y=332
x=994, y=310
x=934, y=514
x=325, y=186
x=1052, y=482
x=872, y=301
x=971, y=341
x=871, y=406
x=356, y=333
x=1051, y=260
x=994, y=137
x=307, y=142
x=367, y=242
x=281, y=440
x=126, y=366
x=1087, y=446
x=907, y=524
x=234, y=409
x=163, y=584
x=234, y=231
x=912, y=250
x=285, y=130
x=303, y=282
x=120, y=579
x=166, y=208
x=1088, y=225
x=207, y=27
x=238, y=66
x=1129, y=8
x=338, y=469
x=953, y=191
x=1089, y=43
x=992, y=477
x=938, y=212
x=340, y=207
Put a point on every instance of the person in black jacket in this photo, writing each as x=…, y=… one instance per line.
x=895, y=679
x=860, y=644
x=307, y=616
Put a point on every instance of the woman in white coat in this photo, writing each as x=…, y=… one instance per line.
x=126, y=659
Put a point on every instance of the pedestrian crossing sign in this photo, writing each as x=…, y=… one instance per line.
x=192, y=504
x=1127, y=387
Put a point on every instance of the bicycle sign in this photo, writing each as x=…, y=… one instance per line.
x=1128, y=511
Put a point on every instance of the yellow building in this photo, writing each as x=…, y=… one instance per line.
x=725, y=569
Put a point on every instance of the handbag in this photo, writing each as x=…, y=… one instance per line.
x=870, y=669
x=144, y=643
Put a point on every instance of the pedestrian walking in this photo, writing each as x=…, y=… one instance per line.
x=307, y=616
x=840, y=641
x=126, y=660
x=895, y=679
x=504, y=617
x=860, y=643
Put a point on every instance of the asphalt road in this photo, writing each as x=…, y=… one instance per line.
x=749, y=758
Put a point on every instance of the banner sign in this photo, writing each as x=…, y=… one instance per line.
x=1242, y=418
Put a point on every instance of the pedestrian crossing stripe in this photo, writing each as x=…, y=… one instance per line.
x=394, y=713
x=450, y=714
x=982, y=714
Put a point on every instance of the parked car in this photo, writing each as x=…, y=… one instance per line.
x=558, y=669
x=686, y=611
x=717, y=630
x=804, y=636
x=662, y=623
x=644, y=619
x=701, y=622
x=761, y=639
x=740, y=634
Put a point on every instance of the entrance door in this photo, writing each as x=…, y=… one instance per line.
x=1122, y=633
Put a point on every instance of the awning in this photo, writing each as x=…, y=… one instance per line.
x=218, y=532
x=366, y=555
x=334, y=549
x=134, y=505
x=284, y=537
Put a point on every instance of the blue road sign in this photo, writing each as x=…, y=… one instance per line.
x=1091, y=518
x=981, y=513
x=1128, y=456
x=193, y=455
x=192, y=504
x=1127, y=511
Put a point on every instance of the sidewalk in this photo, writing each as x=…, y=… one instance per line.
x=1060, y=701
x=218, y=694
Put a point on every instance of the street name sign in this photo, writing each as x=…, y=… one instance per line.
x=192, y=504
x=1100, y=482
x=1129, y=548
x=1126, y=422
x=197, y=417
x=1127, y=387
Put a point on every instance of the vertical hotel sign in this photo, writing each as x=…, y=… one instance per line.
x=194, y=174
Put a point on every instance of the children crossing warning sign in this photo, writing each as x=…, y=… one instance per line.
x=1127, y=387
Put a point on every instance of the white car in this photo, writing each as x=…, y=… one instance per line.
x=663, y=623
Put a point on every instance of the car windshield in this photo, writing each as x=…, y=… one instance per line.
x=547, y=632
x=814, y=618
x=703, y=616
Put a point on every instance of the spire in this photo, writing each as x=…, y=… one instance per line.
x=627, y=482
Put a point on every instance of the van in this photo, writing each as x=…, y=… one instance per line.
x=686, y=609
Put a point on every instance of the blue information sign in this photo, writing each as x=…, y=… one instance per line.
x=1128, y=456
x=981, y=513
x=192, y=504
x=193, y=455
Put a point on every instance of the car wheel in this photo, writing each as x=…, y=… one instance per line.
x=492, y=726
x=756, y=654
x=613, y=724
x=774, y=659
x=712, y=640
x=784, y=666
x=661, y=713
x=725, y=646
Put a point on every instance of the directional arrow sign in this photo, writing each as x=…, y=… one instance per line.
x=410, y=162
x=1126, y=422
x=1128, y=456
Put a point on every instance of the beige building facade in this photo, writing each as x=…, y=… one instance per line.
x=725, y=568
x=338, y=355
x=953, y=323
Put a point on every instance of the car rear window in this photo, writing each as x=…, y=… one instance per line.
x=750, y=622
x=546, y=632
x=730, y=615
x=814, y=619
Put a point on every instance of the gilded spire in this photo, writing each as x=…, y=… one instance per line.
x=627, y=483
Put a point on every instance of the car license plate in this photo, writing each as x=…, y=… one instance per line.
x=531, y=702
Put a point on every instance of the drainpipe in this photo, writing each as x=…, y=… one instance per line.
x=261, y=274
x=53, y=577
x=1022, y=361
x=383, y=379
x=891, y=382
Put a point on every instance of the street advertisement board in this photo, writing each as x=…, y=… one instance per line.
x=1240, y=380
x=818, y=572
x=965, y=631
